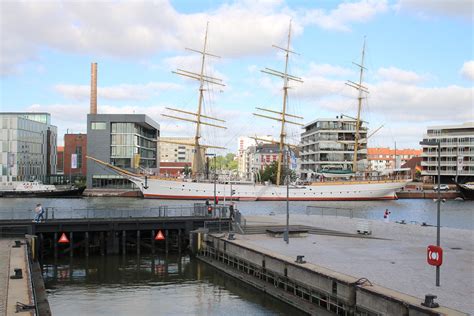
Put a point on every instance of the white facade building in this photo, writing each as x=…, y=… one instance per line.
x=244, y=155
x=170, y=152
x=329, y=143
x=457, y=152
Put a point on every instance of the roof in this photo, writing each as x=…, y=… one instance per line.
x=413, y=162
x=392, y=152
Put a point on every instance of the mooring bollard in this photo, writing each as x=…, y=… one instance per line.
x=429, y=301
x=18, y=274
x=299, y=259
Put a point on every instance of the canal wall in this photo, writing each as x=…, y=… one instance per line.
x=309, y=287
x=22, y=288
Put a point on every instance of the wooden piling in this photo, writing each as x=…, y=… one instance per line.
x=138, y=242
x=55, y=245
x=102, y=244
x=71, y=244
x=152, y=241
x=86, y=244
x=124, y=242
x=179, y=240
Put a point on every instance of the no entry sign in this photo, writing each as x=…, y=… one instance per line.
x=435, y=255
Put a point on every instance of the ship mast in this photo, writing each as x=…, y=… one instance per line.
x=198, y=116
x=361, y=89
x=283, y=115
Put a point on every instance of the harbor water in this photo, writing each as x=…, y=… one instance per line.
x=150, y=285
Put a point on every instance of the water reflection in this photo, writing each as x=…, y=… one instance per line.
x=150, y=285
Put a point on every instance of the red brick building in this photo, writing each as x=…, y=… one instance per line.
x=75, y=152
x=173, y=169
x=60, y=160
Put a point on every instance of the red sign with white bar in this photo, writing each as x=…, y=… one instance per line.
x=435, y=255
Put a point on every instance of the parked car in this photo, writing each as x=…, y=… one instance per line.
x=442, y=187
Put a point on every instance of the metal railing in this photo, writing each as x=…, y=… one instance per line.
x=329, y=211
x=52, y=213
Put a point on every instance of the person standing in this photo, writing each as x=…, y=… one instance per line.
x=39, y=213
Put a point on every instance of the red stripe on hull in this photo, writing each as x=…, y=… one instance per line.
x=191, y=197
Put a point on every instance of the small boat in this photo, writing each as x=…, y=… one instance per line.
x=336, y=171
x=37, y=189
x=466, y=190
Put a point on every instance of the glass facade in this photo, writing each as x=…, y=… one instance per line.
x=28, y=146
x=132, y=146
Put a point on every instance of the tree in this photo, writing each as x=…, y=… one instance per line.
x=226, y=162
x=270, y=173
x=186, y=170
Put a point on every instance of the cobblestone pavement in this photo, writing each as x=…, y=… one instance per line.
x=4, y=271
x=397, y=262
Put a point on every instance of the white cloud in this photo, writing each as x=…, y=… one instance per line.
x=396, y=97
x=345, y=14
x=467, y=70
x=119, y=92
x=138, y=29
x=455, y=8
x=399, y=75
x=329, y=70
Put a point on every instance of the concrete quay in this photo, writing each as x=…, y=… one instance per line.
x=395, y=259
x=14, y=290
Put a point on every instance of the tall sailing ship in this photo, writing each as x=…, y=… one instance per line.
x=200, y=188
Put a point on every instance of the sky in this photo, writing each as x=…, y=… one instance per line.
x=419, y=60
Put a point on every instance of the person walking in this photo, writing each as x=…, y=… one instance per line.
x=39, y=211
x=386, y=216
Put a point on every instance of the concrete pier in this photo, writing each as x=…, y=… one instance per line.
x=395, y=258
x=14, y=290
x=390, y=264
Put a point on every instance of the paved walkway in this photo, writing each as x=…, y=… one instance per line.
x=397, y=262
x=4, y=273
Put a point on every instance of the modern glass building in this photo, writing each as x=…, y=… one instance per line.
x=457, y=152
x=128, y=141
x=329, y=143
x=28, y=146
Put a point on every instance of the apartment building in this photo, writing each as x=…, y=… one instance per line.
x=457, y=152
x=329, y=143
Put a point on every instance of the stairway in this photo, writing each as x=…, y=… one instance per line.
x=262, y=229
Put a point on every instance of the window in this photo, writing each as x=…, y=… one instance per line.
x=98, y=125
x=79, y=156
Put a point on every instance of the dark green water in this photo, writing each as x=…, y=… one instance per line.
x=150, y=285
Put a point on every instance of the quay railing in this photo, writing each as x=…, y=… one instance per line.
x=329, y=211
x=52, y=213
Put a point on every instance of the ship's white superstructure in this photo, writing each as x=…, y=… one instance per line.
x=324, y=191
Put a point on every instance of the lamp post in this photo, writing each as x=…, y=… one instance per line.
x=215, y=173
x=287, y=178
x=438, y=217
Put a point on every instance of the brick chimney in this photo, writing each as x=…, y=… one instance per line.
x=93, y=88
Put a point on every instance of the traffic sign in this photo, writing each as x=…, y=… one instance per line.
x=435, y=255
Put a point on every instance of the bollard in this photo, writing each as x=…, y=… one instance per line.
x=18, y=274
x=231, y=236
x=17, y=244
x=429, y=301
x=299, y=259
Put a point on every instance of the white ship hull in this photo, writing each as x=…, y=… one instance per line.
x=334, y=191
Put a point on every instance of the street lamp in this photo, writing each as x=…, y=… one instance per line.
x=438, y=144
x=215, y=173
x=287, y=178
